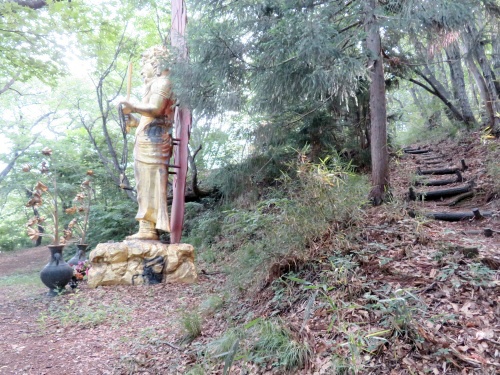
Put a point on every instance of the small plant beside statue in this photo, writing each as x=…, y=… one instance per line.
x=45, y=199
x=46, y=222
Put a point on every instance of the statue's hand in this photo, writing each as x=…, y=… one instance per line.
x=130, y=122
x=127, y=107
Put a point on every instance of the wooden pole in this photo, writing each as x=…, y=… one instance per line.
x=129, y=80
x=182, y=126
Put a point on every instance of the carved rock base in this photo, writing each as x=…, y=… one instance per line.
x=117, y=262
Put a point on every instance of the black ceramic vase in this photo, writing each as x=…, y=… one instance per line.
x=80, y=255
x=57, y=273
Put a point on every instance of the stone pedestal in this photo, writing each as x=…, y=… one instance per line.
x=116, y=263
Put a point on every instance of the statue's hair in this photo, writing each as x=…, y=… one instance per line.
x=158, y=56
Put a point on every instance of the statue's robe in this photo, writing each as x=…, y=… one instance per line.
x=152, y=152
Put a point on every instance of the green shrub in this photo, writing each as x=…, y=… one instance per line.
x=278, y=346
x=319, y=197
x=211, y=305
x=191, y=325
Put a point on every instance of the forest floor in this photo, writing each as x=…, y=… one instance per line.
x=438, y=282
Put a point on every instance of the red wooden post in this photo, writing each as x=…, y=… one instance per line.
x=182, y=127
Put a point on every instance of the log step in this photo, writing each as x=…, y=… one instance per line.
x=455, y=216
x=433, y=162
x=451, y=170
x=437, y=171
x=416, y=152
x=431, y=158
x=404, y=149
x=459, y=178
x=438, y=194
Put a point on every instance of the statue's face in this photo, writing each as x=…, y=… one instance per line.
x=148, y=71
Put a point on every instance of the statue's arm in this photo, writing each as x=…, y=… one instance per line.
x=154, y=107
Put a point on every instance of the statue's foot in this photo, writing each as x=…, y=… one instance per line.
x=147, y=231
x=143, y=236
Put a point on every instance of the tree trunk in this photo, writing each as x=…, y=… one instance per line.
x=478, y=49
x=483, y=91
x=430, y=122
x=437, y=89
x=379, y=151
x=495, y=44
x=8, y=85
x=458, y=83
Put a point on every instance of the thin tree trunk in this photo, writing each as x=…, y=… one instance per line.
x=483, y=91
x=378, y=116
x=420, y=106
x=458, y=83
x=495, y=44
x=436, y=88
x=488, y=74
x=440, y=70
x=8, y=85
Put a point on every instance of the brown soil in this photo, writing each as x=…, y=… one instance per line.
x=138, y=330
x=120, y=329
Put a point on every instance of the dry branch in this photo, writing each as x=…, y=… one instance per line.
x=461, y=197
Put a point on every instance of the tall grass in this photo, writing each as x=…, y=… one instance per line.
x=313, y=201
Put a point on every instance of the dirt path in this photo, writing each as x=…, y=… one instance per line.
x=118, y=330
x=23, y=261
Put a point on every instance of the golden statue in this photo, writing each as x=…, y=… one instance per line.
x=153, y=143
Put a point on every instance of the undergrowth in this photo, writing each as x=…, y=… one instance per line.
x=78, y=310
x=309, y=216
x=309, y=202
x=261, y=343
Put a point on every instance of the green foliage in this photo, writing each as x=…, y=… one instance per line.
x=398, y=311
x=191, y=324
x=222, y=345
x=196, y=370
x=277, y=346
x=27, y=280
x=12, y=239
x=111, y=220
x=211, y=305
x=261, y=342
x=310, y=200
x=479, y=275
x=419, y=132
x=247, y=178
x=290, y=54
x=203, y=229
x=29, y=43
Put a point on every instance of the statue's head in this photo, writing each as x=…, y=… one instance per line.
x=157, y=57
